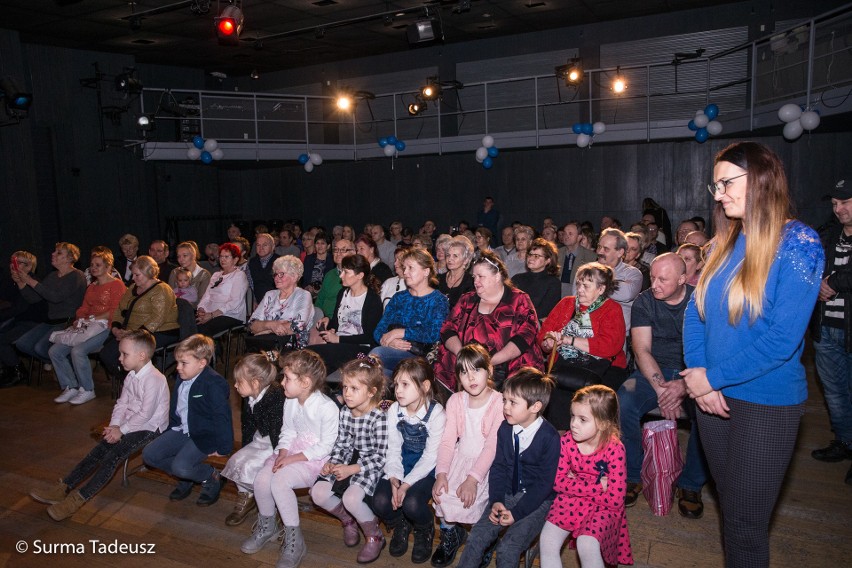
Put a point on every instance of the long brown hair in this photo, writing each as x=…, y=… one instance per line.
x=767, y=209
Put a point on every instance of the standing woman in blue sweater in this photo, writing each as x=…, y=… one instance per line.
x=743, y=340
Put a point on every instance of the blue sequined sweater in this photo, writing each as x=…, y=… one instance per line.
x=759, y=362
x=421, y=316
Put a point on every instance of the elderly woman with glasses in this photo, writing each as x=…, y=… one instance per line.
x=498, y=316
x=224, y=303
x=284, y=315
x=458, y=252
x=541, y=280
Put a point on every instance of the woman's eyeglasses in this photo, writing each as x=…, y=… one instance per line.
x=721, y=186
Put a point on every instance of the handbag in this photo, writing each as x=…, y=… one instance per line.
x=82, y=331
x=578, y=373
x=340, y=486
x=661, y=466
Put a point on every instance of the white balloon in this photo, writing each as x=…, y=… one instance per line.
x=315, y=159
x=583, y=140
x=390, y=150
x=217, y=154
x=487, y=140
x=789, y=112
x=599, y=127
x=193, y=153
x=210, y=144
x=809, y=120
x=701, y=120
x=481, y=153
x=309, y=167
x=793, y=130
x=714, y=128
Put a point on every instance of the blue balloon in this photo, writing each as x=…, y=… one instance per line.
x=493, y=151
x=692, y=126
x=383, y=142
x=400, y=145
x=587, y=128
x=712, y=111
x=391, y=139
x=198, y=141
x=702, y=135
x=303, y=159
x=577, y=128
x=206, y=157
x=487, y=163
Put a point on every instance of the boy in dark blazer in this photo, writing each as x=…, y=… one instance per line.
x=199, y=424
x=520, y=483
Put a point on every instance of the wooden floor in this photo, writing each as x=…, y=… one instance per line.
x=43, y=441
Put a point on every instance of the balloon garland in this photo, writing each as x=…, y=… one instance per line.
x=486, y=153
x=705, y=124
x=205, y=150
x=310, y=160
x=392, y=145
x=586, y=132
x=797, y=119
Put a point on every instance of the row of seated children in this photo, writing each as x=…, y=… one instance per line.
x=364, y=464
x=489, y=461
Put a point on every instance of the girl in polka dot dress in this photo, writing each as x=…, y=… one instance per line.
x=590, y=483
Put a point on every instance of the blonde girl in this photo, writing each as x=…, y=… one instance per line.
x=591, y=481
x=255, y=380
x=358, y=458
x=309, y=429
x=415, y=425
x=467, y=448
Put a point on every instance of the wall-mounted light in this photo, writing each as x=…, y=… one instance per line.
x=619, y=83
x=431, y=91
x=347, y=100
x=417, y=107
x=145, y=122
x=571, y=73
x=128, y=83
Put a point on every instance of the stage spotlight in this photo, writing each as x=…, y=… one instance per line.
x=229, y=25
x=574, y=75
x=417, y=107
x=344, y=102
x=17, y=100
x=127, y=83
x=619, y=84
x=145, y=122
x=432, y=90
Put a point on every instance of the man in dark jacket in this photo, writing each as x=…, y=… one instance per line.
x=832, y=327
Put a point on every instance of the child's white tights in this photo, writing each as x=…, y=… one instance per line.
x=550, y=547
x=271, y=489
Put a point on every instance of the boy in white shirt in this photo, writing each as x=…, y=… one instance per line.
x=139, y=415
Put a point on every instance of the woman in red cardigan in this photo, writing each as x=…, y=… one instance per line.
x=587, y=331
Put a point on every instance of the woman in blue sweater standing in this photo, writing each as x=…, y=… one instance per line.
x=743, y=340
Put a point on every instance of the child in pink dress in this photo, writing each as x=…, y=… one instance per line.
x=590, y=484
x=467, y=449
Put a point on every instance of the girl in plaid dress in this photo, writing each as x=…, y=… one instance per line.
x=357, y=460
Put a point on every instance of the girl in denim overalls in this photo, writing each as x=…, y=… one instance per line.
x=415, y=425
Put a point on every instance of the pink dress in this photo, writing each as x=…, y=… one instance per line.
x=582, y=505
x=470, y=447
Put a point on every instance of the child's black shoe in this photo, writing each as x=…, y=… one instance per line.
x=182, y=491
x=451, y=541
x=210, y=490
